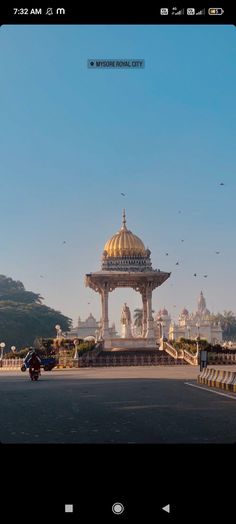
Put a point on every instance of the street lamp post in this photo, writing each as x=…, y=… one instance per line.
x=76, y=355
x=58, y=330
x=2, y=346
x=197, y=338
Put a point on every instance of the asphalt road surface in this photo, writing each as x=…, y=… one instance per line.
x=114, y=405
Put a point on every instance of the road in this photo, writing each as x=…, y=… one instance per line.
x=114, y=405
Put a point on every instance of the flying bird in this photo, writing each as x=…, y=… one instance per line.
x=194, y=274
x=217, y=252
x=123, y=194
x=182, y=240
x=205, y=276
x=64, y=242
x=177, y=263
x=222, y=184
x=167, y=253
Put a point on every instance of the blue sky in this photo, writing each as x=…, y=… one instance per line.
x=73, y=138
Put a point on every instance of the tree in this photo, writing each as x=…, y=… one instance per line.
x=23, y=317
x=14, y=290
x=138, y=317
x=227, y=321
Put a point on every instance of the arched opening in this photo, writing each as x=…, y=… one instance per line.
x=117, y=298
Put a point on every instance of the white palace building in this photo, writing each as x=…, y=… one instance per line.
x=190, y=325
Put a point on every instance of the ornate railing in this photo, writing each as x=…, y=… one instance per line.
x=11, y=362
x=114, y=361
x=222, y=358
x=188, y=357
x=183, y=354
x=171, y=350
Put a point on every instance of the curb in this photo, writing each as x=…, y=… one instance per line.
x=218, y=378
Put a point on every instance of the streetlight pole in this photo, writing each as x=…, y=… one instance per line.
x=58, y=330
x=76, y=355
x=197, y=339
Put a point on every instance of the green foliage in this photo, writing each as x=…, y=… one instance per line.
x=18, y=354
x=85, y=347
x=11, y=355
x=14, y=291
x=46, y=344
x=189, y=344
x=227, y=321
x=23, y=317
x=22, y=353
x=138, y=317
x=66, y=343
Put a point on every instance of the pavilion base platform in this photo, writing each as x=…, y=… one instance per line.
x=116, y=344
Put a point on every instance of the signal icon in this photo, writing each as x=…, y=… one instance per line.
x=202, y=12
x=180, y=12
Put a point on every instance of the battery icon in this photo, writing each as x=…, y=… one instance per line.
x=215, y=11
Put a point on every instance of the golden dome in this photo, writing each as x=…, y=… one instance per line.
x=124, y=243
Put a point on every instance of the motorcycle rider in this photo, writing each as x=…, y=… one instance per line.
x=34, y=362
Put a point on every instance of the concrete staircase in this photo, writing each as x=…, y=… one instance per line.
x=181, y=354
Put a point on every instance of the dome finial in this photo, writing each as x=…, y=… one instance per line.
x=124, y=243
x=123, y=220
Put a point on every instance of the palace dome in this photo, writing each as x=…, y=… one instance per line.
x=124, y=243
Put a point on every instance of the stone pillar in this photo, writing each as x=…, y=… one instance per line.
x=144, y=298
x=105, y=319
x=150, y=322
x=102, y=317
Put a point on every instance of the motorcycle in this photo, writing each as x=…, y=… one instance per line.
x=34, y=373
x=47, y=363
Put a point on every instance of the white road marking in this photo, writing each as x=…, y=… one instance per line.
x=211, y=391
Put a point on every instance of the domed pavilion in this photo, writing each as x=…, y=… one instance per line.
x=127, y=263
